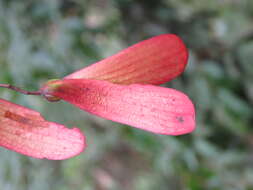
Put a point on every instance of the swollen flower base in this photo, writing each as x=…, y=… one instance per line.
x=119, y=88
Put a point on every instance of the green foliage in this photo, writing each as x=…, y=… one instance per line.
x=40, y=40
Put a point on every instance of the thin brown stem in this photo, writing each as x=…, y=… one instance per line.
x=17, y=89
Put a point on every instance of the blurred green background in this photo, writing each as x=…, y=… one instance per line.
x=40, y=40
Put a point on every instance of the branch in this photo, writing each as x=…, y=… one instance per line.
x=17, y=89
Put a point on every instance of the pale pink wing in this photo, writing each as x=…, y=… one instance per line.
x=153, y=61
x=26, y=132
x=152, y=108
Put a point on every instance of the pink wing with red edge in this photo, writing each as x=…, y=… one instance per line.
x=152, y=108
x=153, y=61
x=26, y=132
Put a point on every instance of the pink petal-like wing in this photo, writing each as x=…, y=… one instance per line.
x=25, y=131
x=153, y=61
x=152, y=108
